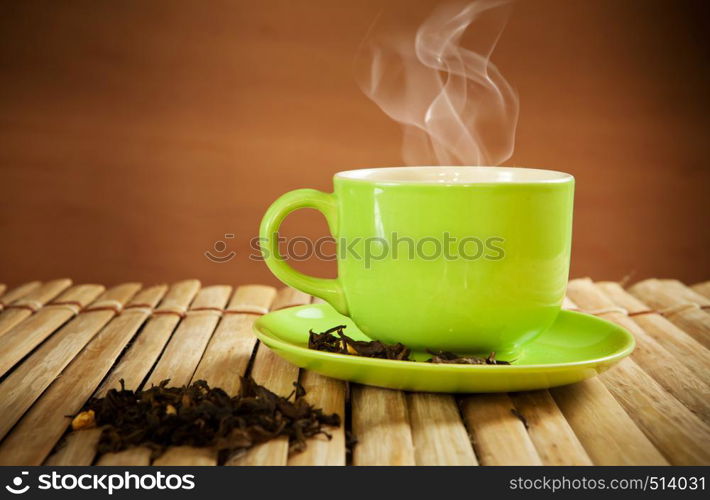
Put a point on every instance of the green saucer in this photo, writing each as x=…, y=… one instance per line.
x=577, y=346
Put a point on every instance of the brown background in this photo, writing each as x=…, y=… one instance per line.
x=133, y=135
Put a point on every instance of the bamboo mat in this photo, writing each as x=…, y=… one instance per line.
x=62, y=343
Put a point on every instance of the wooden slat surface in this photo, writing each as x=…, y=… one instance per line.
x=381, y=441
x=139, y=455
x=147, y=348
x=11, y=316
x=330, y=395
x=8, y=296
x=227, y=356
x=180, y=358
x=651, y=409
x=79, y=448
x=671, y=298
x=552, y=436
x=225, y=360
x=659, y=402
x=277, y=375
x=380, y=423
x=499, y=436
x=24, y=385
x=613, y=439
x=184, y=351
x=685, y=293
x=24, y=337
x=438, y=433
x=684, y=347
x=669, y=371
x=702, y=288
x=681, y=436
x=35, y=435
x=608, y=434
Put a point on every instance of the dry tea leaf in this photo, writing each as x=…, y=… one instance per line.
x=203, y=416
x=445, y=357
x=342, y=344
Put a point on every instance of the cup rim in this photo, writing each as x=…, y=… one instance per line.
x=454, y=175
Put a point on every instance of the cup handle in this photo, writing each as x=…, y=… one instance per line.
x=329, y=290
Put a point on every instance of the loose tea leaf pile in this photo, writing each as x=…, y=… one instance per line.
x=342, y=344
x=445, y=357
x=203, y=416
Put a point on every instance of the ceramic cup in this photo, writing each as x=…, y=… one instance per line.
x=463, y=259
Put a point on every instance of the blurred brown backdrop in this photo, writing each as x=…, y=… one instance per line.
x=134, y=135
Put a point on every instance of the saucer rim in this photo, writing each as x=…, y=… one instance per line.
x=630, y=345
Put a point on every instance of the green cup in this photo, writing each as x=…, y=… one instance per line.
x=462, y=259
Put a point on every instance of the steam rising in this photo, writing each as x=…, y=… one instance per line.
x=455, y=106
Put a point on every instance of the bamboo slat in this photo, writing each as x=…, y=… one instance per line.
x=139, y=455
x=380, y=442
x=229, y=351
x=680, y=435
x=684, y=293
x=277, y=375
x=663, y=296
x=289, y=297
x=43, y=425
x=613, y=439
x=702, y=288
x=606, y=431
x=181, y=357
x=380, y=424
x=554, y=439
x=676, y=431
x=438, y=434
x=136, y=364
x=9, y=296
x=369, y=448
x=185, y=348
x=79, y=448
x=225, y=360
x=666, y=369
x=22, y=308
x=328, y=394
x=24, y=385
x=673, y=339
x=252, y=299
x=499, y=437
x=647, y=410
x=187, y=455
x=24, y=337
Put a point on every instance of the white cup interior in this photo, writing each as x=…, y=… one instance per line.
x=455, y=175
